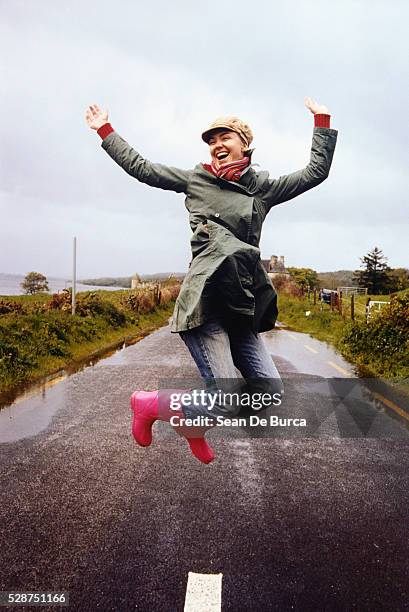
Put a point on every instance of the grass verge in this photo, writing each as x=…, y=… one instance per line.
x=38, y=339
x=379, y=348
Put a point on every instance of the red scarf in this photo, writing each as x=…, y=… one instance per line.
x=231, y=171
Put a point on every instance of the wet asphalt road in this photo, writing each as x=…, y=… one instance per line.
x=291, y=522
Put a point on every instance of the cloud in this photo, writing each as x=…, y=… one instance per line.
x=164, y=72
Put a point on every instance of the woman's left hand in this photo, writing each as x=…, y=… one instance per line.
x=315, y=108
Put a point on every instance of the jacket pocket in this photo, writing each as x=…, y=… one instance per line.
x=212, y=328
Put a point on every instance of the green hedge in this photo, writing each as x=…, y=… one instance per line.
x=382, y=344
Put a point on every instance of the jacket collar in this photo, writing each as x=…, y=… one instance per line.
x=248, y=181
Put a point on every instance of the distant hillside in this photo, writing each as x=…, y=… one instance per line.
x=339, y=278
x=161, y=276
x=125, y=281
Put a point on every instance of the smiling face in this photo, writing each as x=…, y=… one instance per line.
x=225, y=146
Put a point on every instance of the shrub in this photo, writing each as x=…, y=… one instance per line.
x=7, y=306
x=60, y=301
x=88, y=304
x=287, y=286
x=142, y=301
x=131, y=301
x=146, y=302
x=166, y=296
x=384, y=339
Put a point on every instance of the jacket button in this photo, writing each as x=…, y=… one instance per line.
x=217, y=215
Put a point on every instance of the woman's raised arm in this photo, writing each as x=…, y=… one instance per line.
x=155, y=175
x=323, y=144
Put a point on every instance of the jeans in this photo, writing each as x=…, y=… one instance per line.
x=218, y=349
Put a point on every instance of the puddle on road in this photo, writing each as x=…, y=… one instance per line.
x=308, y=355
x=32, y=412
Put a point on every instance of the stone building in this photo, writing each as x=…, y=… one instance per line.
x=275, y=266
x=135, y=281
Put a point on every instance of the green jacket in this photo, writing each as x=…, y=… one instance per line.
x=226, y=218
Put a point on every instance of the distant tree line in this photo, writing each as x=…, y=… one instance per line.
x=304, y=277
x=376, y=275
x=126, y=281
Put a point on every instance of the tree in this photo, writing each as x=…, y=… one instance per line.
x=304, y=277
x=398, y=279
x=375, y=274
x=34, y=282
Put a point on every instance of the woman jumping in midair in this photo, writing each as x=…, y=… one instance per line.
x=227, y=297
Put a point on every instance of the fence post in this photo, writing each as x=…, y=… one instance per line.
x=332, y=301
x=315, y=296
x=352, y=308
x=156, y=294
x=340, y=302
x=74, y=278
x=367, y=312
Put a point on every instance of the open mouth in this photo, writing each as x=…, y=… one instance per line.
x=222, y=155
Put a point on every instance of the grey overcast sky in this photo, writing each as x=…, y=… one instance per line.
x=165, y=70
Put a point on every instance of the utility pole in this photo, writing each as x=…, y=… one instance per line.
x=74, y=276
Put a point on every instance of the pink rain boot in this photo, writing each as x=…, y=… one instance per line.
x=145, y=407
x=145, y=412
x=200, y=449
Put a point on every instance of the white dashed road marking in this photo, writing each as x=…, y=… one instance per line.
x=337, y=367
x=391, y=405
x=309, y=348
x=203, y=593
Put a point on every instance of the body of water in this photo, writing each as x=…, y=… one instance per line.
x=10, y=285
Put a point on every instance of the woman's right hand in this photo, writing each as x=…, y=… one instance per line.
x=314, y=107
x=95, y=117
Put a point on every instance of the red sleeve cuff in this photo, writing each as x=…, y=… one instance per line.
x=321, y=120
x=105, y=130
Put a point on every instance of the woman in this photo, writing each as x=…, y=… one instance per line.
x=226, y=298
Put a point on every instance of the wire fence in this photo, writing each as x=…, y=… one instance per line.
x=350, y=302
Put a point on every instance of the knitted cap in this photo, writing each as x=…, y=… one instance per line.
x=233, y=124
